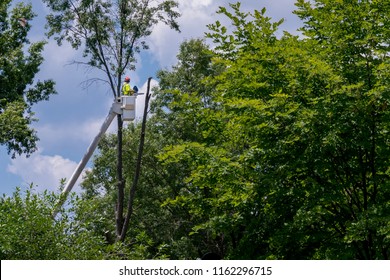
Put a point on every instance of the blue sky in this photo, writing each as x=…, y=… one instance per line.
x=69, y=120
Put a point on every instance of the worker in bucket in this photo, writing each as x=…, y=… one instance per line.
x=126, y=89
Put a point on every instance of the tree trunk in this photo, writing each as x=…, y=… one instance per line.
x=120, y=181
x=137, y=171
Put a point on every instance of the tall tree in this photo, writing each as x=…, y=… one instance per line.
x=18, y=90
x=183, y=84
x=353, y=37
x=111, y=32
x=298, y=165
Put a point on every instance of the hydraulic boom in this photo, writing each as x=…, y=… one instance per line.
x=125, y=106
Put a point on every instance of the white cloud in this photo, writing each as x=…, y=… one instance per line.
x=72, y=131
x=195, y=15
x=140, y=102
x=198, y=3
x=59, y=55
x=164, y=43
x=77, y=131
x=43, y=171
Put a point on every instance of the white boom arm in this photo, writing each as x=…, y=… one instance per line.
x=124, y=106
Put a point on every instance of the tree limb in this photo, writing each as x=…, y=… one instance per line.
x=133, y=188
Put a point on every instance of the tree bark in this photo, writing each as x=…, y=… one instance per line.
x=120, y=181
x=137, y=171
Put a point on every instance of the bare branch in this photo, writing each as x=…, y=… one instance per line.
x=137, y=171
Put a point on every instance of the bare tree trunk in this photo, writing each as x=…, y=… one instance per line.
x=120, y=181
x=137, y=171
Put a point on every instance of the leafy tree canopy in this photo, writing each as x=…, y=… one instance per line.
x=19, y=63
x=110, y=32
x=292, y=161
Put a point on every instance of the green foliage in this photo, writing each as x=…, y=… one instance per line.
x=299, y=157
x=181, y=99
x=28, y=231
x=270, y=147
x=246, y=26
x=19, y=63
x=111, y=32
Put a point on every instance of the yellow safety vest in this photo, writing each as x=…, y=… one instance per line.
x=126, y=90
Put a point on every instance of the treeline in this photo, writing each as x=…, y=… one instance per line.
x=265, y=146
